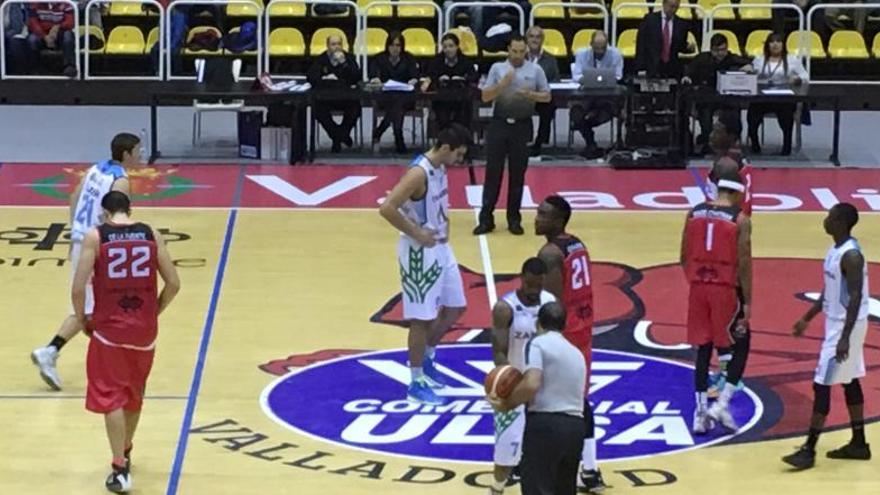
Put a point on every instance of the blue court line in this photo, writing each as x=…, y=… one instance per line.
x=698, y=179
x=180, y=453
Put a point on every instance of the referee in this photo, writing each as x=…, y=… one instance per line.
x=514, y=85
x=553, y=387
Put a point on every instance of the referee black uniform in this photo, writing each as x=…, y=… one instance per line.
x=514, y=85
x=555, y=428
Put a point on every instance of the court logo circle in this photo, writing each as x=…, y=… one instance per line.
x=643, y=405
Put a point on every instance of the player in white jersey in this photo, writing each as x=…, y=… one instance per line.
x=86, y=214
x=844, y=301
x=433, y=294
x=514, y=320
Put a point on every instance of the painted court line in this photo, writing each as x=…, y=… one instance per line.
x=488, y=275
x=180, y=453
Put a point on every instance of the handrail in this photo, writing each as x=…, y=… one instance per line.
x=3, y=8
x=162, y=26
x=573, y=5
x=735, y=6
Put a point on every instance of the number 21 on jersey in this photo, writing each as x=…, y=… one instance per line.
x=580, y=272
x=128, y=262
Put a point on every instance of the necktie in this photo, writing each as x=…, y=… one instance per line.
x=667, y=42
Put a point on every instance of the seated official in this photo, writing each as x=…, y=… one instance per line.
x=778, y=68
x=703, y=71
x=545, y=111
x=394, y=64
x=589, y=114
x=451, y=70
x=335, y=69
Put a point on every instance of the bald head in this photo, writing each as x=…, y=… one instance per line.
x=725, y=166
x=552, y=316
x=599, y=44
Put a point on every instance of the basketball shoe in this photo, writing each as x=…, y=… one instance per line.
x=44, y=358
x=851, y=451
x=803, y=458
x=419, y=391
x=433, y=376
x=119, y=481
x=702, y=422
x=590, y=481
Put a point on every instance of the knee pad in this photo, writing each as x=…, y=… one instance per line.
x=822, y=401
x=853, y=393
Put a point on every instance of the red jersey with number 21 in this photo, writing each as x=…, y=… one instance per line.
x=126, y=306
x=577, y=293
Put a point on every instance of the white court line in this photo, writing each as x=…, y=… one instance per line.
x=488, y=276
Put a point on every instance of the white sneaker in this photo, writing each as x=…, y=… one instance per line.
x=721, y=413
x=44, y=358
x=702, y=422
x=118, y=481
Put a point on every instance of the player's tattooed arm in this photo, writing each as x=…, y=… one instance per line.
x=502, y=317
x=552, y=257
x=744, y=249
x=851, y=265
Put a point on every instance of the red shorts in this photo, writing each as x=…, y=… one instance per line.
x=583, y=340
x=117, y=377
x=712, y=314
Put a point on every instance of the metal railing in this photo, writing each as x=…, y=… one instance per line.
x=743, y=6
x=823, y=6
x=573, y=5
x=5, y=8
x=162, y=25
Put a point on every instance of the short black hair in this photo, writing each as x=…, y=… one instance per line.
x=534, y=266
x=552, y=316
x=454, y=135
x=123, y=142
x=848, y=213
x=561, y=205
x=116, y=202
x=717, y=40
x=516, y=37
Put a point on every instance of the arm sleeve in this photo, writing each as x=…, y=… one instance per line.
x=67, y=21
x=618, y=65
x=470, y=73
x=351, y=71
x=412, y=69
x=313, y=75
x=580, y=57
x=494, y=76
x=797, y=68
x=373, y=68
x=33, y=23
x=541, y=83
x=553, y=73
x=534, y=358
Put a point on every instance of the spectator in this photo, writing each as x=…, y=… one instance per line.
x=589, y=114
x=833, y=14
x=451, y=70
x=775, y=67
x=180, y=19
x=336, y=69
x=545, y=111
x=662, y=37
x=16, y=34
x=395, y=63
x=51, y=26
x=703, y=71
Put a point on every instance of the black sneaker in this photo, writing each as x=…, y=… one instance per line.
x=591, y=481
x=483, y=229
x=851, y=451
x=516, y=229
x=119, y=481
x=804, y=458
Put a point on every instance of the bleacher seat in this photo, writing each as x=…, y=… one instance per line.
x=94, y=32
x=374, y=41
x=242, y=10
x=754, y=13
x=847, y=44
x=130, y=9
x=581, y=39
x=416, y=11
x=286, y=42
x=318, y=44
x=278, y=9
x=755, y=42
x=627, y=12
x=798, y=40
x=125, y=40
x=377, y=11
x=467, y=40
x=420, y=42
x=626, y=43
x=152, y=39
x=554, y=43
x=555, y=12
x=201, y=29
x=876, y=46
x=724, y=14
x=732, y=41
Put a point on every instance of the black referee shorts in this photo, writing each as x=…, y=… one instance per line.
x=552, y=446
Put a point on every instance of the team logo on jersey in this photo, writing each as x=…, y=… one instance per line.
x=146, y=183
x=359, y=401
x=415, y=278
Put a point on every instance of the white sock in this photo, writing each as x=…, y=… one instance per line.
x=726, y=394
x=702, y=401
x=416, y=373
x=498, y=486
x=430, y=351
x=588, y=455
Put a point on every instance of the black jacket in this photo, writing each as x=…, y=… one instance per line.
x=347, y=73
x=649, y=45
x=406, y=69
x=464, y=67
x=703, y=69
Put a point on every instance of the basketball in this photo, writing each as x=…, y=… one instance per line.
x=501, y=381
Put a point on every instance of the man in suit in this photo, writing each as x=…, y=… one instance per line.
x=336, y=69
x=662, y=36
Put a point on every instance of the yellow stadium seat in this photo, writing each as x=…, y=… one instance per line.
x=692, y=40
x=847, y=44
x=422, y=11
x=582, y=39
x=420, y=42
x=876, y=46
x=554, y=43
x=319, y=40
x=241, y=10
x=125, y=40
x=202, y=29
x=732, y=41
x=755, y=42
x=152, y=39
x=626, y=43
x=798, y=41
x=627, y=12
x=286, y=42
x=722, y=13
x=126, y=9
x=547, y=12
x=754, y=13
x=95, y=32
x=683, y=11
x=373, y=41
x=467, y=40
x=384, y=10
x=285, y=9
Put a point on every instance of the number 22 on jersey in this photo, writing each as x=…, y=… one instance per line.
x=127, y=262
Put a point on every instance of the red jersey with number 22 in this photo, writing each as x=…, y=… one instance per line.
x=126, y=306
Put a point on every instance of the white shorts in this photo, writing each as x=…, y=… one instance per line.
x=829, y=371
x=509, y=429
x=429, y=279
x=75, y=251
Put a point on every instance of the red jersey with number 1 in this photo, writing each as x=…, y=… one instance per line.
x=712, y=245
x=577, y=293
x=126, y=296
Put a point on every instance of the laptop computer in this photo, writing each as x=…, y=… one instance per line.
x=598, y=78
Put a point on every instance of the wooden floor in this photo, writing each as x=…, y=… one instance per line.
x=267, y=291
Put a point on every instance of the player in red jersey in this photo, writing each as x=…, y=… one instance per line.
x=725, y=142
x=716, y=257
x=121, y=257
x=568, y=279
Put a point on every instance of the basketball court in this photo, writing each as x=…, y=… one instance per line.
x=280, y=367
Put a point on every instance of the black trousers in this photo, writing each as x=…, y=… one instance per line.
x=589, y=115
x=350, y=109
x=552, y=446
x=784, y=114
x=395, y=110
x=546, y=112
x=449, y=112
x=705, y=114
x=510, y=142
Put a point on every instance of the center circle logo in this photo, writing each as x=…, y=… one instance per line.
x=643, y=406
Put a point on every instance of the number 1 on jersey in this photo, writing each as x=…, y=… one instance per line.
x=580, y=274
x=710, y=235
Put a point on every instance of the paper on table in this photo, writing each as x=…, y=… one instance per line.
x=392, y=85
x=564, y=85
x=778, y=91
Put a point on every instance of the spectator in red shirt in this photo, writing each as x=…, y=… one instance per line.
x=51, y=26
